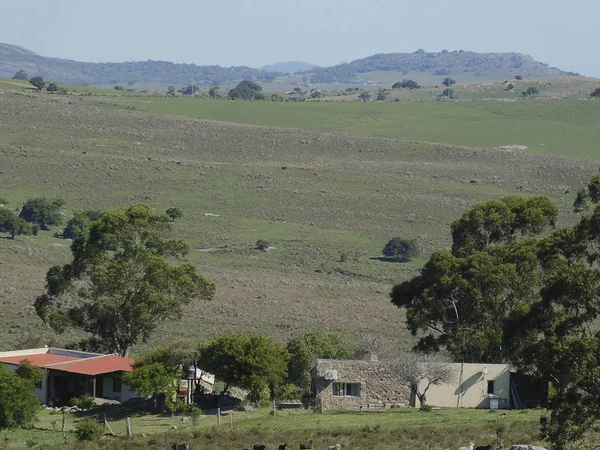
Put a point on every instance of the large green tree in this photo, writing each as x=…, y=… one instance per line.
x=18, y=402
x=304, y=349
x=122, y=282
x=11, y=223
x=42, y=211
x=253, y=363
x=38, y=82
x=79, y=224
x=246, y=90
x=506, y=294
x=461, y=297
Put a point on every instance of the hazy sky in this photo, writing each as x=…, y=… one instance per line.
x=324, y=32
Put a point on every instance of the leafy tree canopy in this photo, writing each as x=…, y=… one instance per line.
x=530, y=91
x=596, y=93
x=408, y=84
x=506, y=294
x=121, y=284
x=79, y=225
x=11, y=223
x=448, y=82
x=21, y=75
x=245, y=90
x=253, y=363
x=304, y=349
x=42, y=211
x=401, y=249
x=18, y=402
x=38, y=82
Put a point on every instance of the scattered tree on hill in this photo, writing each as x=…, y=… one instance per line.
x=448, y=93
x=382, y=95
x=38, y=82
x=519, y=77
x=21, y=75
x=448, y=82
x=401, y=249
x=419, y=371
x=174, y=213
x=11, y=223
x=214, y=92
x=304, y=349
x=510, y=87
x=120, y=285
x=530, y=91
x=52, y=87
x=189, y=90
x=253, y=363
x=18, y=402
x=42, y=211
x=171, y=90
x=262, y=245
x=119, y=88
x=245, y=90
x=79, y=225
x=409, y=84
x=596, y=93
x=364, y=96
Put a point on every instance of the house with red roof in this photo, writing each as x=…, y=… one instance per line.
x=71, y=373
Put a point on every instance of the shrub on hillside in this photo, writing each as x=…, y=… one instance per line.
x=400, y=249
x=530, y=91
x=88, y=429
x=596, y=93
x=262, y=245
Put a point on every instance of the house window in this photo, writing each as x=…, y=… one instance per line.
x=346, y=389
x=116, y=385
x=38, y=384
x=491, y=386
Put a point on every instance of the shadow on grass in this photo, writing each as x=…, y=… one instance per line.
x=132, y=408
x=390, y=260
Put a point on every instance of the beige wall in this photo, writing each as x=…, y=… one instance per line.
x=471, y=389
x=378, y=385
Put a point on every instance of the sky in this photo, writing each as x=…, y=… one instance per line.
x=324, y=32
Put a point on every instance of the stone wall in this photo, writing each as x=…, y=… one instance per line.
x=378, y=385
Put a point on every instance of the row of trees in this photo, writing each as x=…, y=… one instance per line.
x=509, y=291
x=36, y=214
x=256, y=363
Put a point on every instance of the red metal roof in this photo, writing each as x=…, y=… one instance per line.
x=96, y=366
x=39, y=360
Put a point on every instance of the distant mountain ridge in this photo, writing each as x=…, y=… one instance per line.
x=488, y=66
x=14, y=58
x=460, y=65
x=290, y=67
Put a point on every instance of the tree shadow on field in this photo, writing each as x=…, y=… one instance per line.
x=390, y=260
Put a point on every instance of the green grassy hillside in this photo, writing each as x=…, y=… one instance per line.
x=327, y=202
x=553, y=127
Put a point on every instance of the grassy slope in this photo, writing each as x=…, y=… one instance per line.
x=554, y=127
x=339, y=194
x=397, y=430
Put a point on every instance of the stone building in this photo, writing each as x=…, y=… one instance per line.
x=356, y=384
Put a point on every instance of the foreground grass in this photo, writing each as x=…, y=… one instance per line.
x=553, y=127
x=398, y=429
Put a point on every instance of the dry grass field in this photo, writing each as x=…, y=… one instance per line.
x=326, y=202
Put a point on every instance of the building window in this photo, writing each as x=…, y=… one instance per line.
x=346, y=389
x=117, y=385
x=38, y=384
x=491, y=386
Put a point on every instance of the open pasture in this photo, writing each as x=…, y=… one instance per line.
x=552, y=127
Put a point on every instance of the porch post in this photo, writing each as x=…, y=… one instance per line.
x=93, y=393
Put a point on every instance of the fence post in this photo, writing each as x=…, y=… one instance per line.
x=129, y=434
x=218, y=416
x=274, y=409
x=64, y=423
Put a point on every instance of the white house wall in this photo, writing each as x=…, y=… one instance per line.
x=471, y=389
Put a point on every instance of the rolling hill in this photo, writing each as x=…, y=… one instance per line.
x=460, y=65
x=14, y=58
x=426, y=68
